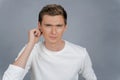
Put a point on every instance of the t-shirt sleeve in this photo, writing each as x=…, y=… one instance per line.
x=88, y=72
x=14, y=72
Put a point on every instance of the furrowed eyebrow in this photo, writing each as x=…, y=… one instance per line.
x=59, y=25
x=47, y=24
x=53, y=25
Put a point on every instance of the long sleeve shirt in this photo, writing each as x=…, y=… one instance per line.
x=44, y=64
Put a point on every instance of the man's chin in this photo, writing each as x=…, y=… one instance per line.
x=55, y=41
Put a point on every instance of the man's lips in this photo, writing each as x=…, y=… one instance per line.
x=53, y=37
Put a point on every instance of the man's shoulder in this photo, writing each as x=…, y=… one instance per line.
x=76, y=49
x=73, y=45
x=40, y=43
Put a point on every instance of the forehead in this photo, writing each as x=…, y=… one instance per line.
x=53, y=19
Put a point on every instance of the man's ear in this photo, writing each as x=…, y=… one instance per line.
x=39, y=26
x=65, y=28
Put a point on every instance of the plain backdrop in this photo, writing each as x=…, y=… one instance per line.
x=93, y=24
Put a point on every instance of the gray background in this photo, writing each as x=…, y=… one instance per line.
x=94, y=24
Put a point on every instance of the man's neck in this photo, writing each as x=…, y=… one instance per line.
x=55, y=47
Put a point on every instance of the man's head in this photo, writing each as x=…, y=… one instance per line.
x=52, y=23
x=52, y=10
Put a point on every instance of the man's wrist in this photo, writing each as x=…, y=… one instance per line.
x=31, y=43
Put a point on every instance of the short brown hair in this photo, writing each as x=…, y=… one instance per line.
x=52, y=10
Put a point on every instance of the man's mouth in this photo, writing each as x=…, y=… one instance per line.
x=53, y=37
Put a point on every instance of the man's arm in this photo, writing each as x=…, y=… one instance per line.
x=16, y=70
x=88, y=72
x=21, y=61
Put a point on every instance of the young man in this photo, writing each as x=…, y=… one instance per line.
x=54, y=58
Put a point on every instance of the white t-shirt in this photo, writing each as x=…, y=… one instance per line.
x=44, y=64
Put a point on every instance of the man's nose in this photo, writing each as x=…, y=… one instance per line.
x=53, y=31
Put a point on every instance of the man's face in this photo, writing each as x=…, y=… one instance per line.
x=52, y=28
